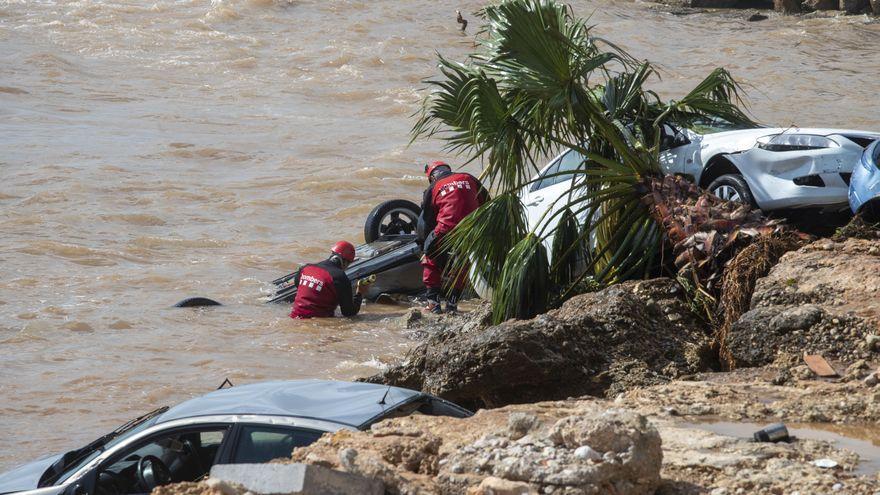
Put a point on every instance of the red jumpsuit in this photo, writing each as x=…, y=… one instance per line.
x=446, y=202
x=322, y=287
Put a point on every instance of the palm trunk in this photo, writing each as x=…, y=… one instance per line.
x=704, y=231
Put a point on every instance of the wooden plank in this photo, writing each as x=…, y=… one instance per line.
x=819, y=365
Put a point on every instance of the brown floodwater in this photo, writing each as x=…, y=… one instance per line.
x=155, y=150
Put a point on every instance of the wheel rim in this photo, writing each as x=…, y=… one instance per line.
x=727, y=193
x=398, y=221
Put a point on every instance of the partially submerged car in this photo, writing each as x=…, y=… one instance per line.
x=864, y=189
x=245, y=424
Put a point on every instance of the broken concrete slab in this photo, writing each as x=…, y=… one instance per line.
x=304, y=479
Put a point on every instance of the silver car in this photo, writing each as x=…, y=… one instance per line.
x=244, y=424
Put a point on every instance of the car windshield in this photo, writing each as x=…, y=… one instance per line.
x=75, y=459
x=711, y=126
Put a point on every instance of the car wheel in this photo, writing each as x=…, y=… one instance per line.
x=394, y=217
x=732, y=187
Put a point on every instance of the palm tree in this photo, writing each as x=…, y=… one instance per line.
x=540, y=82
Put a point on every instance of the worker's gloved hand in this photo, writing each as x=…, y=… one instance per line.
x=364, y=284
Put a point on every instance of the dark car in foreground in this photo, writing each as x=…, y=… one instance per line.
x=244, y=424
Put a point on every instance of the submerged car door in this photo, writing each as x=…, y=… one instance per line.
x=548, y=195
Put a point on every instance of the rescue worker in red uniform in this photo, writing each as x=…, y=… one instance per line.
x=450, y=197
x=323, y=286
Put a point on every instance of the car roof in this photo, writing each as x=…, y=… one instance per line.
x=346, y=403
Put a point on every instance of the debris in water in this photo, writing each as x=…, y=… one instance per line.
x=461, y=20
x=819, y=365
x=825, y=463
x=776, y=432
x=757, y=17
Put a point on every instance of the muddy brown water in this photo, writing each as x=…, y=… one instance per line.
x=155, y=150
x=862, y=439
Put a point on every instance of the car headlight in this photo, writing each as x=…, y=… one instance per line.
x=794, y=142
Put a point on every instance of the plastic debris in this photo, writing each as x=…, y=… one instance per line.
x=776, y=432
x=825, y=463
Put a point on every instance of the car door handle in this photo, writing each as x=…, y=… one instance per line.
x=538, y=200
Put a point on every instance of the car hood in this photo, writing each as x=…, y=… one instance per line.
x=26, y=476
x=745, y=138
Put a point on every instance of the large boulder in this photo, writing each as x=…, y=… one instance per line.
x=823, y=298
x=854, y=6
x=630, y=334
x=821, y=4
x=566, y=447
x=787, y=6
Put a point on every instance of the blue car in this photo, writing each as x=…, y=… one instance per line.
x=864, y=186
x=245, y=424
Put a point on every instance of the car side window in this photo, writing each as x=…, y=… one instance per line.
x=670, y=137
x=262, y=443
x=182, y=455
x=568, y=162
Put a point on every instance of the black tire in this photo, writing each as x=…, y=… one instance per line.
x=397, y=216
x=733, y=187
x=196, y=302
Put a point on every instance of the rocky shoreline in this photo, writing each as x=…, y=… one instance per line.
x=628, y=390
x=847, y=7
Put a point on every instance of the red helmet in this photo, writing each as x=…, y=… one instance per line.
x=344, y=249
x=430, y=167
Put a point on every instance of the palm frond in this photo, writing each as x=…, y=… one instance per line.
x=523, y=289
x=485, y=237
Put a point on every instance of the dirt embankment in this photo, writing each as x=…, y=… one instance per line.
x=631, y=334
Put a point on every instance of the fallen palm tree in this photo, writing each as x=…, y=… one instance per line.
x=540, y=82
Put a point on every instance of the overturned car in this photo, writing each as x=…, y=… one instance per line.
x=390, y=253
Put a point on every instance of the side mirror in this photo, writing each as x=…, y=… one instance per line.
x=75, y=489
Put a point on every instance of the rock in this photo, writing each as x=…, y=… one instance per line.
x=498, y=486
x=872, y=379
x=292, y=479
x=519, y=424
x=787, y=6
x=818, y=299
x=821, y=4
x=595, y=344
x=854, y=6
x=587, y=453
x=224, y=487
x=875, y=8
x=757, y=17
x=475, y=455
x=412, y=319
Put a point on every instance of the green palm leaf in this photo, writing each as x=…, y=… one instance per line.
x=539, y=83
